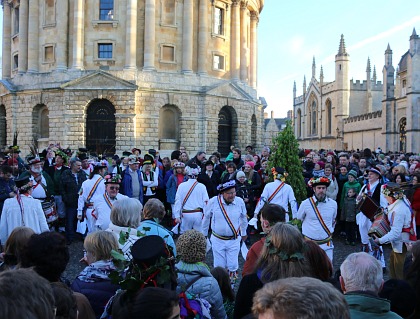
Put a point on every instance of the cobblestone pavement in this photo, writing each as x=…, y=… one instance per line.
x=341, y=251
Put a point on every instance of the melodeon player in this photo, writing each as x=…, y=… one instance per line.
x=372, y=190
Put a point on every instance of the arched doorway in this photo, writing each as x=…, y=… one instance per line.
x=403, y=135
x=100, y=127
x=3, y=126
x=227, y=129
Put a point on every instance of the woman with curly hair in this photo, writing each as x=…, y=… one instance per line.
x=282, y=257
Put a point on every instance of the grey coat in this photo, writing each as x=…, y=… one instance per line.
x=206, y=287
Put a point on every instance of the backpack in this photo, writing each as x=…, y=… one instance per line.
x=192, y=307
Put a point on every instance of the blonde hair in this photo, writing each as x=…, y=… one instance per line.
x=126, y=212
x=100, y=244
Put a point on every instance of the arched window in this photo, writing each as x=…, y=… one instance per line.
x=403, y=135
x=328, y=114
x=100, y=126
x=313, y=119
x=169, y=120
x=299, y=123
x=40, y=122
x=228, y=123
x=254, y=130
x=3, y=126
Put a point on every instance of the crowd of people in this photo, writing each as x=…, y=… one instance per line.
x=147, y=224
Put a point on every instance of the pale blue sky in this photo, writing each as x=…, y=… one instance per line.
x=290, y=33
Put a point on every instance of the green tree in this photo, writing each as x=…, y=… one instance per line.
x=285, y=152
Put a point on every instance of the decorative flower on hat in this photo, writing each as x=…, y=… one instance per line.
x=396, y=193
x=179, y=165
x=113, y=179
x=319, y=181
x=192, y=171
x=281, y=177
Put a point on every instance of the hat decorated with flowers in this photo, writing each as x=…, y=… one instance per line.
x=113, y=179
x=179, y=165
x=279, y=173
x=319, y=181
x=392, y=190
x=192, y=170
x=225, y=186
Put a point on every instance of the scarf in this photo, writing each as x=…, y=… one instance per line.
x=97, y=271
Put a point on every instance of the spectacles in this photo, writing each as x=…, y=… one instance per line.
x=114, y=188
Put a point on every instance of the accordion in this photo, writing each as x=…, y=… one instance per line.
x=380, y=226
x=367, y=206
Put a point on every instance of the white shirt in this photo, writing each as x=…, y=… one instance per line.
x=103, y=209
x=37, y=190
x=198, y=198
x=33, y=216
x=282, y=198
x=236, y=212
x=311, y=226
x=85, y=189
x=150, y=183
x=383, y=203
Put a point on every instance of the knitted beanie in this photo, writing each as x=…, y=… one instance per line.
x=191, y=247
x=353, y=173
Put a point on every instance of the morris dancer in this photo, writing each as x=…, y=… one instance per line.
x=103, y=203
x=276, y=192
x=227, y=215
x=190, y=200
x=318, y=214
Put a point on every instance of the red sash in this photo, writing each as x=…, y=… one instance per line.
x=225, y=215
x=318, y=215
x=275, y=192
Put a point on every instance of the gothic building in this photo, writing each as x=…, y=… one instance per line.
x=348, y=114
x=111, y=74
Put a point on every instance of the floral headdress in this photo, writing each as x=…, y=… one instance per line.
x=113, y=179
x=392, y=190
x=319, y=181
x=279, y=173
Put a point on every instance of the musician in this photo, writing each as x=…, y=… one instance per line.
x=372, y=189
x=277, y=192
x=399, y=216
x=318, y=215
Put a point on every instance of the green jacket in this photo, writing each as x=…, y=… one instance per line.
x=367, y=306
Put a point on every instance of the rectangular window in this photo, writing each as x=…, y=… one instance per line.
x=15, y=61
x=168, y=53
x=218, y=62
x=49, y=53
x=105, y=50
x=16, y=21
x=218, y=21
x=106, y=10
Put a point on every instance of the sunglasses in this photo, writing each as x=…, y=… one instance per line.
x=114, y=188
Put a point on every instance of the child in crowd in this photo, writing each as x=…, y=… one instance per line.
x=318, y=169
x=349, y=214
x=222, y=277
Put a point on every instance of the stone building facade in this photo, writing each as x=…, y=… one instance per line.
x=114, y=74
x=347, y=114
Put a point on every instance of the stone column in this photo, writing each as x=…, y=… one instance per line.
x=254, y=23
x=203, y=31
x=131, y=47
x=149, y=35
x=235, y=43
x=23, y=36
x=33, y=40
x=7, y=44
x=62, y=27
x=78, y=41
x=187, y=36
x=243, y=41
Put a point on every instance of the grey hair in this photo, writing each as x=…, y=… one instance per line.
x=200, y=152
x=154, y=208
x=73, y=160
x=361, y=272
x=126, y=212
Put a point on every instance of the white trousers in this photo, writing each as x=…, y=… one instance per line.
x=90, y=220
x=364, y=225
x=329, y=249
x=191, y=221
x=226, y=252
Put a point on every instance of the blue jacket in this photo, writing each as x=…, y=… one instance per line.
x=150, y=227
x=206, y=287
x=98, y=293
x=171, y=187
x=127, y=187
